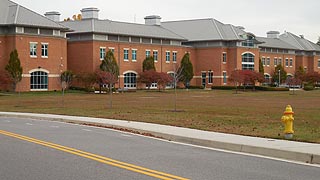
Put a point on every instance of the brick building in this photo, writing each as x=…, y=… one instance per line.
x=215, y=48
x=41, y=44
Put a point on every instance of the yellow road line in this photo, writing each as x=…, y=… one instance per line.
x=105, y=160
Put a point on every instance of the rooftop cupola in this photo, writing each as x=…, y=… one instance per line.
x=90, y=13
x=53, y=15
x=153, y=20
x=273, y=34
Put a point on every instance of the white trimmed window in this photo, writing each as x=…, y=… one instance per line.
x=248, y=61
x=44, y=50
x=167, y=56
x=210, y=75
x=147, y=53
x=275, y=61
x=33, y=49
x=287, y=62
x=102, y=53
x=39, y=80
x=134, y=55
x=111, y=49
x=126, y=54
x=291, y=62
x=279, y=61
x=155, y=55
x=263, y=59
x=318, y=63
x=224, y=57
x=224, y=74
x=268, y=61
x=174, y=56
x=130, y=80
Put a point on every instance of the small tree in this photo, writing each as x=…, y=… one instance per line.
x=14, y=68
x=67, y=77
x=186, y=70
x=148, y=64
x=163, y=79
x=283, y=75
x=312, y=78
x=86, y=79
x=148, y=77
x=261, y=68
x=300, y=74
x=237, y=78
x=109, y=65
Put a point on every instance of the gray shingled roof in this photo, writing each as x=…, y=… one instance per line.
x=13, y=14
x=204, y=30
x=121, y=28
x=274, y=43
x=299, y=42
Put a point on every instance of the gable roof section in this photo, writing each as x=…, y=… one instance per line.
x=121, y=28
x=13, y=14
x=299, y=42
x=204, y=30
x=274, y=43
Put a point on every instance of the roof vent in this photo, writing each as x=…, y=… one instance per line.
x=53, y=15
x=302, y=36
x=153, y=20
x=273, y=34
x=90, y=13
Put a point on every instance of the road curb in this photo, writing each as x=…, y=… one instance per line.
x=237, y=147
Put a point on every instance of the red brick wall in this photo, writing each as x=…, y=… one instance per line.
x=55, y=63
x=270, y=69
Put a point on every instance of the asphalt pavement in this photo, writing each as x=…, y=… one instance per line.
x=32, y=149
x=290, y=150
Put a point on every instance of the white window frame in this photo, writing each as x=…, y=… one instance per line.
x=263, y=60
x=224, y=57
x=268, y=61
x=45, y=50
x=275, y=61
x=102, y=57
x=148, y=53
x=134, y=55
x=319, y=63
x=33, y=49
x=210, y=77
x=279, y=61
x=224, y=77
x=112, y=49
x=290, y=62
x=167, y=56
x=287, y=62
x=125, y=54
x=174, y=56
x=155, y=57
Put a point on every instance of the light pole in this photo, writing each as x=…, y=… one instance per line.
x=279, y=77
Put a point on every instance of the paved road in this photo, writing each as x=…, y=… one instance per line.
x=123, y=156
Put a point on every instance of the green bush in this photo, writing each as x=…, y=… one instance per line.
x=308, y=88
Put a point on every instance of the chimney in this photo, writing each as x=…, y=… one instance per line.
x=90, y=13
x=53, y=15
x=273, y=34
x=153, y=20
x=240, y=27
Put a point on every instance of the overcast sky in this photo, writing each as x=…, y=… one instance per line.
x=301, y=17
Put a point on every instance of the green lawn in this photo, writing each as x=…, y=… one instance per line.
x=249, y=113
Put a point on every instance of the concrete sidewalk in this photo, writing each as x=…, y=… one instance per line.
x=296, y=151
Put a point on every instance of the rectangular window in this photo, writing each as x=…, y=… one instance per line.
x=268, y=61
x=167, y=56
x=155, y=55
x=318, y=63
x=33, y=49
x=126, y=54
x=174, y=56
x=44, y=50
x=224, y=57
x=224, y=77
x=147, y=53
x=287, y=62
x=210, y=74
x=291, y=62
x=263, y=61
x=102, y=53
x=134, y=54
x=111, y=49
x=279, y=61
x=275, y=62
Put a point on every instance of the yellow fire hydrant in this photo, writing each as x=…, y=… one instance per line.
x=287, y=119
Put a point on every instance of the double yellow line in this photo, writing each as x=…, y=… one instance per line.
x=101, y=159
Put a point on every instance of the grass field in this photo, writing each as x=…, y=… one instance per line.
x=248, y=113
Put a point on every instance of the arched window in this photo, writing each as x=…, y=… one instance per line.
x=130, y=80
x=248, y=61
x=39, y=80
